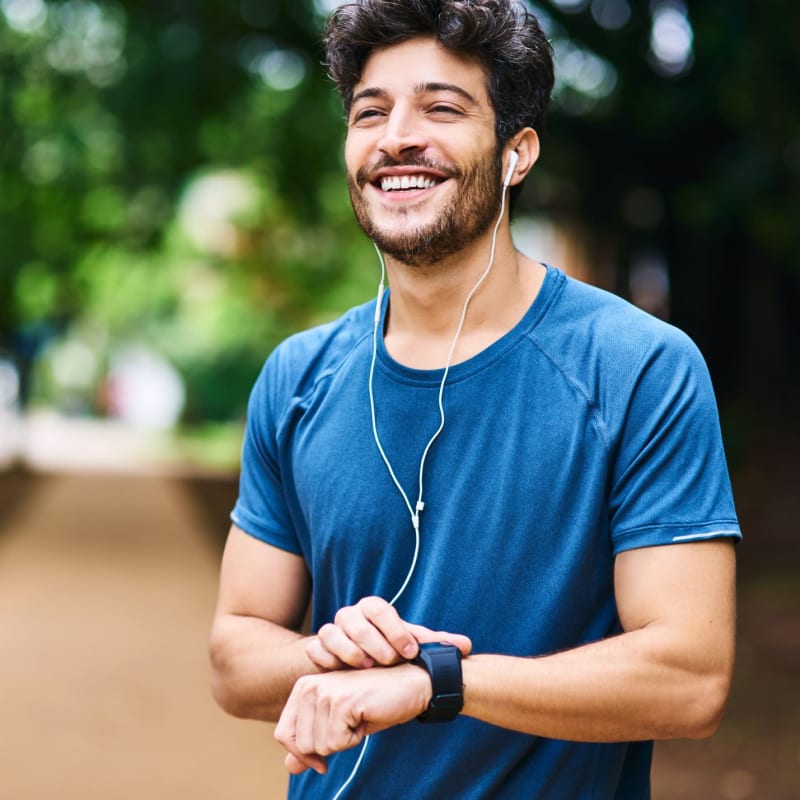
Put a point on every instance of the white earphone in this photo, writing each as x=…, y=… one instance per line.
x=513, y=158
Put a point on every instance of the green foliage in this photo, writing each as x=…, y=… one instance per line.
x=111, y=115
x=171, y=172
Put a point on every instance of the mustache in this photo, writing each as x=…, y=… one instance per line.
x=364, y=174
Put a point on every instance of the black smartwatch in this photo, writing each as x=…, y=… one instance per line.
x=443, y=663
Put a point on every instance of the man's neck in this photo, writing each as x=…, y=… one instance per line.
x=427, y=302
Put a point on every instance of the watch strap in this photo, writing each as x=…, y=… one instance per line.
x=442, y=662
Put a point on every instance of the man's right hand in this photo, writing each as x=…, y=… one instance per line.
x=372, y=632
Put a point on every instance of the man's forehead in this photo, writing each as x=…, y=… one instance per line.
x=422, y=65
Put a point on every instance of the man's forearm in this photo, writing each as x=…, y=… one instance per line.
x=625, y=688
x=255, y=664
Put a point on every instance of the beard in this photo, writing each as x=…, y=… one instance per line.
x=466, y=216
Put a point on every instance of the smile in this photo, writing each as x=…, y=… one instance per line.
x=395, y=183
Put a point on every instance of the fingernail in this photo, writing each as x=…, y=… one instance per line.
x=367, y=663
x=410, y=650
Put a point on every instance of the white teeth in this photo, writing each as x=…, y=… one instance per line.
x=395, y=182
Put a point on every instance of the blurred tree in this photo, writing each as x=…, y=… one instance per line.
x=695, y=155
x=171, y=170
x=108, y=112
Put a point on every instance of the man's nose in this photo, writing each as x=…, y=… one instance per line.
x=402, y=134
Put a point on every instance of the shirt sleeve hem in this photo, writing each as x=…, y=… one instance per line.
x=258, y=530
x=654, y=535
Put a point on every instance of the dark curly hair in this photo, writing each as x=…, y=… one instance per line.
x=502, y=34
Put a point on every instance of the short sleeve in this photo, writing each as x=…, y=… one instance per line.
x=669, y=481
x=261, y=509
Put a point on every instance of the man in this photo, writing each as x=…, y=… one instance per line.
x=504, y=489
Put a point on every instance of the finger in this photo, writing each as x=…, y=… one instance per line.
x=319, y=654
x=378, y=630
x=424, y=635
x=284, y=729
x=305, y=714
x=322, y=726
x=292, y=730
x=361, y=633
x=393, y=628
x=295, y=761
x=339, y=646
x=296, y=765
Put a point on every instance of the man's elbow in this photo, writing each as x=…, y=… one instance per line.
x=227, y=699
x=223, y=678
x=705, y=711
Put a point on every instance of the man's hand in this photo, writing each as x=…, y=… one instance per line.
x=336, y=710
x=372, y=632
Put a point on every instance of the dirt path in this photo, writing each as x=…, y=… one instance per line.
x=106, y=593
x=107, y=586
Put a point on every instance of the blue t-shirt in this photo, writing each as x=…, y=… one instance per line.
x=589, y=429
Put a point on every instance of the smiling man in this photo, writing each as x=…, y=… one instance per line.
x=400, y=178
x=502, y=492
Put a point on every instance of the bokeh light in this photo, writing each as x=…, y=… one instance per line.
x=671, y=38
x=611, y=14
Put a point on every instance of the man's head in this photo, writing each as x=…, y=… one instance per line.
x=501, y=34
x=438, y=93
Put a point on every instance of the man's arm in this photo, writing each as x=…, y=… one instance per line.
x=256, y=651
x=667, y=675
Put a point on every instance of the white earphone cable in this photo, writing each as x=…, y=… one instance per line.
x=355, y=769
x=418, y=507
x=414, y=512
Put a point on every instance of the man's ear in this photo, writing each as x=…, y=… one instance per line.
x=525, y=143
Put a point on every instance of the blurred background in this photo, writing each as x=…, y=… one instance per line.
x=173, y=204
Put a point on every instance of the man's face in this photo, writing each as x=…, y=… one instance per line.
x=423, y=165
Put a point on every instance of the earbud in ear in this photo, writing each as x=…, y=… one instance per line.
x=513, y=158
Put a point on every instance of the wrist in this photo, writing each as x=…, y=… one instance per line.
x=419, y=685
x=311, y=665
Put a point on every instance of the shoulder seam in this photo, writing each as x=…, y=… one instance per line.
x=332, y=370
x=592, y=405
x=299, y=400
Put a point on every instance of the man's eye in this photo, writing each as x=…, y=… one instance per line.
x=440, y=109
x=367, y=113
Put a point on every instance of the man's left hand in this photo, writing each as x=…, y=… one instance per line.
x=334, y=711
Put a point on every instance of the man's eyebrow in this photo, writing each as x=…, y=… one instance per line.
x=419, y=88
x=436, y=86
x=371, y=91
